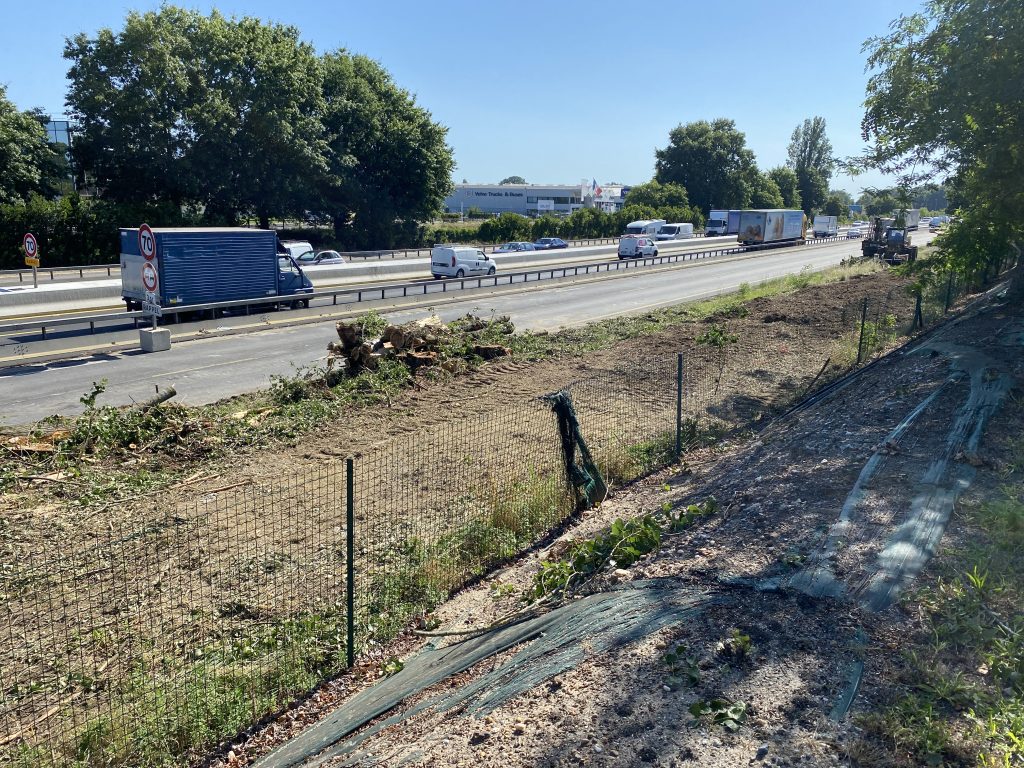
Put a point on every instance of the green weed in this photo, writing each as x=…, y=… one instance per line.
x=728, y=714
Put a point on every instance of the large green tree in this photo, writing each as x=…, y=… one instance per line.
x=390, y=165
x=513, y=180
x=711, y=161
x=658, y=195
x=810, y=157
x=764, y=192
x=946, y=99
x=789, y=186
x=28, y=163
x=224, y=113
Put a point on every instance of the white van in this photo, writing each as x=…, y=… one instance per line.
x=826, y=226
x=647, y=227
x=460, y=261
x=675, y=232
x=296, y=248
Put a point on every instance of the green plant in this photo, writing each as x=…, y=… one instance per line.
x=716, y=336
x=736, y=647
x=621, y=545
x=728, y=714
x=682, y=667
x=687, y=516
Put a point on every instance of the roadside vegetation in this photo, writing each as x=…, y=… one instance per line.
x=958, y=698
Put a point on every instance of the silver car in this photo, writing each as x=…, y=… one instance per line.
x=515, y=247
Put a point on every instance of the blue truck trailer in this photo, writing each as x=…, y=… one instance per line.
x=210, y=265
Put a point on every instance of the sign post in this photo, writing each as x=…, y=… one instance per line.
x=31, y=246
x=150, y=278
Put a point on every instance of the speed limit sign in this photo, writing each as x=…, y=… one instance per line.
x=31, y=245
x=147, y=242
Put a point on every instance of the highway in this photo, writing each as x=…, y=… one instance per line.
x=208, y=369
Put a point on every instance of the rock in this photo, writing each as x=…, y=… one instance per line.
x=598, y=748
x=519, y=729
x=478, y=738
x=761, y=752
x=621, y=573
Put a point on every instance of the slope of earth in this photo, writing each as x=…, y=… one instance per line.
x=825, y=521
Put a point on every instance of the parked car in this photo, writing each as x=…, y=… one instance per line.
x=548, y=243
x=632, y=247
x=460, y=261
x=854, y=232
x=312, y=258
x=515, y=247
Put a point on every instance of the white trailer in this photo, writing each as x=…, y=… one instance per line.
x=771, y=226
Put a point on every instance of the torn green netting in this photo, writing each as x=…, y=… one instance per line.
x=585, y=479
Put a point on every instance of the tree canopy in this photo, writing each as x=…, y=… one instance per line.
x=28, y=163
x=658, y=195
x=513, y=180
x=789, y=186
x=764, y=192
x=711, y=161
x=945, y=98
x=236, y=117
x=810, y=157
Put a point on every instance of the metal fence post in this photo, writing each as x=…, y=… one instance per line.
x=679, y=406
x=863, y=322
x=918, y=314
x=350, y=570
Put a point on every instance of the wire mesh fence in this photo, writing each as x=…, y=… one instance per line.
x=150, y=643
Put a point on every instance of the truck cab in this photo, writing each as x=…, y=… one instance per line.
x=292, y=281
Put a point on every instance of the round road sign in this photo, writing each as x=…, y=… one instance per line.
x=149, y=277
x=147, y=242
x=30, y=244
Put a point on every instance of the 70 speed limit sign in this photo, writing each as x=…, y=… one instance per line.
x=31, y=246
x=147, y=242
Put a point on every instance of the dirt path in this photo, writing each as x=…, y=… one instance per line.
x=825, y=518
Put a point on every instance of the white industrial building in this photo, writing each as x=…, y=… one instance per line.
x=534, y=199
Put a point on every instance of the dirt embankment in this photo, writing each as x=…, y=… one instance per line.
x=835, y=487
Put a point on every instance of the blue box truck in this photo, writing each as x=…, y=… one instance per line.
x=209, y=265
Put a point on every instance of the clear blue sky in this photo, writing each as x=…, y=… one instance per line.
x=554, y=92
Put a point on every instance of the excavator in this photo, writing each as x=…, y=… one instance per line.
x=889, y=241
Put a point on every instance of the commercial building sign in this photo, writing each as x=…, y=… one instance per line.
x=489, y=193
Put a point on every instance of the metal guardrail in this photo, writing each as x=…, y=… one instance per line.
x=356, y=295
x=25, y=275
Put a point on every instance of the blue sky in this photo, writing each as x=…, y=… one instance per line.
x=555, y=92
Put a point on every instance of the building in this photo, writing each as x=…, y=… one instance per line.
x=532, y=199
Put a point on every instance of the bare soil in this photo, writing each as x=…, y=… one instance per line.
x=780, y=494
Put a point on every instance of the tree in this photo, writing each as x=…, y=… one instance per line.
x=809, y=147
x=223, y=113
x=27, y=161
x=834, y=207
x=711, y=161
x=813, y=186
x=513, y=180
x=959, y=64
x=658, y=195
x=765, y=192
x=789, y=186
x=389, y=164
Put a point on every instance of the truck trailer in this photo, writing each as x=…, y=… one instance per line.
x=762, y=227
x=722, y=223
x=210, y=265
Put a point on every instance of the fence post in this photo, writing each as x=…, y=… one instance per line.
x=918, y=314
x=350, y=575
x=949, y=292
x=679, y=406
x=863, y=322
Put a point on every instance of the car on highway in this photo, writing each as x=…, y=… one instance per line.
x=516, y=247
x=460, y=261
x=296, y=248
x=854, y=232
x=633, y=247
x=312, y=258
x=548, y=243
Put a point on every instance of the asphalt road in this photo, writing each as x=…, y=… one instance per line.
x=210, y=369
